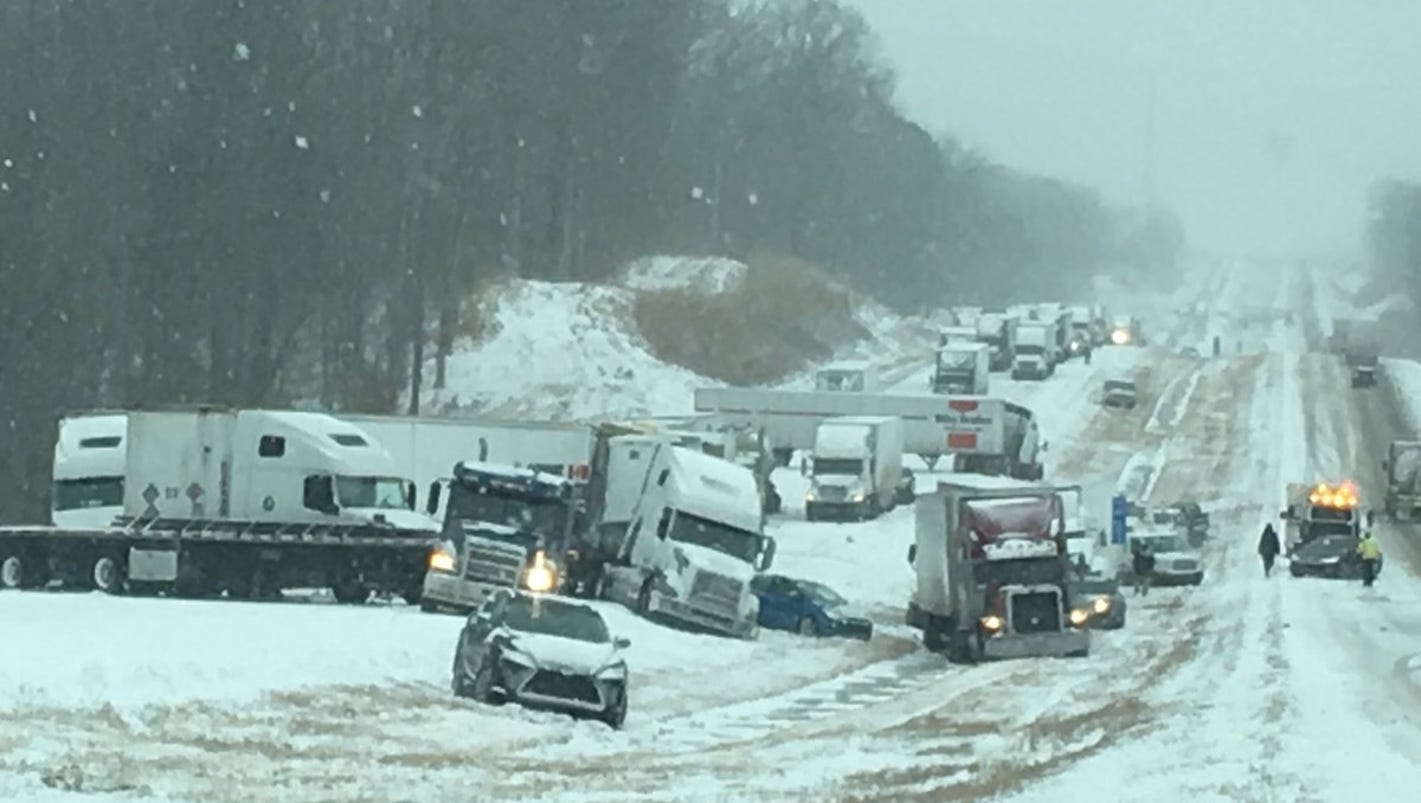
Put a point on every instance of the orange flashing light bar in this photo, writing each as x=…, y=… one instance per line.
x=1342, y=496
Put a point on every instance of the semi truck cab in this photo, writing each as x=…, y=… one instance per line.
x=504, y=527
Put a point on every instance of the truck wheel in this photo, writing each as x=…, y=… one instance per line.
x=932, y=639
x=107, y=575
x=643, y=599
x=413, y=593
x=12, y=572
x=351, y=592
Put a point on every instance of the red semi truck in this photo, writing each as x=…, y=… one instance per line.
x=991, y=563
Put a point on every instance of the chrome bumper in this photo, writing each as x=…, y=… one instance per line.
x=1028, y=645
x=453, y=591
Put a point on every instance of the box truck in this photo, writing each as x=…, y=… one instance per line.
x=857, y=467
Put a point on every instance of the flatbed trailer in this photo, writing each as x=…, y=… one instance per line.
x=206, y=557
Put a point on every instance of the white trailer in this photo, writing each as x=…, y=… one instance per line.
x=987, y=435
x=857, y=467
x=856, y=376
x=1035, y=350
x=427, y=448
x=963, y=368
x=88, y=470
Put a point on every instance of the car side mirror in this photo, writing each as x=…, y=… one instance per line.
x=912, y=554
x=621, y=643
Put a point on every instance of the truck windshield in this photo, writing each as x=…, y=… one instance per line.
x=837, y=466
x=739, y=544
x=88, y=492
x=1405, y=466
x=548, y=617
x=1025, y=349
x=539, y=515
x=380, y=493
x=1334, y=527
x=1020, y=571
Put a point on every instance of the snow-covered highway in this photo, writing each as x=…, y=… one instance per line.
x=1244, y=688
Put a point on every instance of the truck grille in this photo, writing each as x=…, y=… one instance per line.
x=717, y=589
x=1036, y=612
x=564, y=687
x=493, y=563
x=1185, y=565
x=833, y=493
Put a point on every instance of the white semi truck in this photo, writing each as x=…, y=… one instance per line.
x=242, y=501
x=1036, y=350
x=857, y=468
x=673, y=533
x=962, y=368
x=88, y=470
x=984, y=435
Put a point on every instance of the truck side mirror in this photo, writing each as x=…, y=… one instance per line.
x=663, y=527
x=431, y=504
x=409, y=495
x=767, y=556
x=804, y=466
x=912, y=554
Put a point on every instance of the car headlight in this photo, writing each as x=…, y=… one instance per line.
x=1079, y=617
x=992, y=623
x=1101, y=604
x=441, y=560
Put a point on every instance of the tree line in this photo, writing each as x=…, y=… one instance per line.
x=270, y=201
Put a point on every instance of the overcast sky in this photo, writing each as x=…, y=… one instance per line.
x=1271, y=117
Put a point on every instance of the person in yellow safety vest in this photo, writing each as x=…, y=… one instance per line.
x=1370, y=554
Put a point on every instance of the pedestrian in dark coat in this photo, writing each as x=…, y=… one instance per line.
x=1268, y=548
x=1144, y=566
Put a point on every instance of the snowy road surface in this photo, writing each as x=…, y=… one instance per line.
x=1244, y=688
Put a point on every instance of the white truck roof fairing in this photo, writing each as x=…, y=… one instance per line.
x=512, y=472
x=90, y=446
x=849, y=365
x=713, y=488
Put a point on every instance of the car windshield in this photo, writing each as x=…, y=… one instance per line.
x=740, y=544
x=88, y=492
x=837, y=466
x=382, y=493
x=1332, y=544
x=1164, y=543
x=545, y=517
x=553, y=618
x=821, y=594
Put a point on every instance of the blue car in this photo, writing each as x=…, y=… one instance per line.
x=807, y=607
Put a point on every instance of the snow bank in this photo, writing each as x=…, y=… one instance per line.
x=559, y=351
x=710, y=275
x=572, y=351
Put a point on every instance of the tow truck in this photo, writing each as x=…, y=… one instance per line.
x=1318, y=509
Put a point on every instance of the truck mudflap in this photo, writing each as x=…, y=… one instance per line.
x=1030, y=645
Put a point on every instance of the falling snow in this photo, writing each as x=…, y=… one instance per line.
x=302, y=142
x=241, y=52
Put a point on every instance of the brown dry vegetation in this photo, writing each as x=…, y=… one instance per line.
x=785, y=314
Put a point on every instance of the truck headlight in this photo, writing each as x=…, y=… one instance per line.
x=441, y=560
x=617, y=671
x=1079, y=617
x=859, y=496
x=809, y=496
x=1101, y=604
x=992, y=623
x=540, y=578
